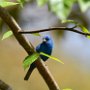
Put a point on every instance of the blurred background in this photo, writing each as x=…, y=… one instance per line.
x=73, y=49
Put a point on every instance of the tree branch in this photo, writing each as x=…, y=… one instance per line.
x=4, y=86
x=54, y=28
x=47, y=76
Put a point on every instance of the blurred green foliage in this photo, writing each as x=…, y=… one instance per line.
x=4, y=3
x=84, y=4
x=61, y=8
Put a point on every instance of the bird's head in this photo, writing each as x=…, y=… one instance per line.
x=46, y=38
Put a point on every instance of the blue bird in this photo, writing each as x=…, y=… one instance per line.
x=46, y=47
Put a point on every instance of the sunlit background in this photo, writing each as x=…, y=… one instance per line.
x=73, y=49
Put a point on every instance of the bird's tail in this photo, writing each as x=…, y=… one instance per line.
x=29, y=72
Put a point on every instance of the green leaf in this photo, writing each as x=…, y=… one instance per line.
x=84, y=4
x=30, y=59
x=7, y=35
x=84, y=29
x=36, y=34
x=41, y=2
x=54, y=58
x=6, y=4
x=69, y=21
x=67, y=89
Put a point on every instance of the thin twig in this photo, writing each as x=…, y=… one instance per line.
x=47, y=76
x=52, y=29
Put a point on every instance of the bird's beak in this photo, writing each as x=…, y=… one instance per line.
x=44, y=40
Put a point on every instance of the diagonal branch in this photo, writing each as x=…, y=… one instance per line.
x=47, y=76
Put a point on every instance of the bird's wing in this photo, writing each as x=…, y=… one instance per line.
x=38, y=48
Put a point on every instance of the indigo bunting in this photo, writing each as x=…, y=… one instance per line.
x=46, y=47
